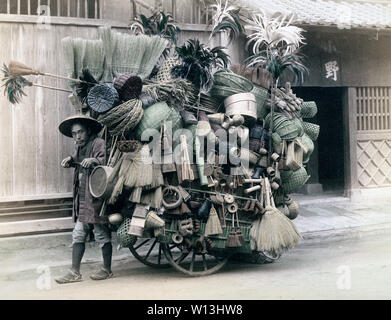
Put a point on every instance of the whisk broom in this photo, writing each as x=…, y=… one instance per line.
x=213, y=225
x=19, y=69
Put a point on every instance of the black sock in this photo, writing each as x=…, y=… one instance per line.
x=107, y=251
x=77, y=255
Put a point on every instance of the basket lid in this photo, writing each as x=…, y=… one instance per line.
x=102, y=97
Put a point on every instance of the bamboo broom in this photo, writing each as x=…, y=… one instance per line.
x=19, y=69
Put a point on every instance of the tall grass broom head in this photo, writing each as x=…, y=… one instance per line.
x=127, y=53
x=213, y=225
x=155, y=47
x=276, y=232
x=79, y=48
x=94, y=58
x=105, y=35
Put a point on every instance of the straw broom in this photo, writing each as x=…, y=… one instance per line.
x=213, y=225
x=274, y=232
x=68, y=56
x=106, y=35
x=94, y=58
x=128, y=52
x=154, y=50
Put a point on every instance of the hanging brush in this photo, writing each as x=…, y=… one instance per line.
x=19, y=69
x=213, y=225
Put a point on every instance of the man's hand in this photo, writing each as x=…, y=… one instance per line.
x=66, y=162
x=89, y=162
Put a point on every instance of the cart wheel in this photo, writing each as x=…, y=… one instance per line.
x=268, y=257
x=150, y=252
x=195, y=264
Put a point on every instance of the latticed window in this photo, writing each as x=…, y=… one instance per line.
x=373, y=108
x=183, y=11
x=88, y=9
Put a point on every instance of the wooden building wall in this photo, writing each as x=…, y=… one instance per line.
x=31, y=146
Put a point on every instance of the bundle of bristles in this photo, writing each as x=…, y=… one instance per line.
x=176, y=91
x=273, y=232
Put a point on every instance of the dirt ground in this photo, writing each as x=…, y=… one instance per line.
x=350, y=269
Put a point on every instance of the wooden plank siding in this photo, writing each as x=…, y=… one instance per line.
x=6, y=132
x=31, y=145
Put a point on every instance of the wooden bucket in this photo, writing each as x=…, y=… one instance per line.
x=99, y=182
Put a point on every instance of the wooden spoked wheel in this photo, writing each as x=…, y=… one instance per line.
x=195, y=264
x=150, y=252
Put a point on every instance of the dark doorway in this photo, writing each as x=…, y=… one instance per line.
x=330, y=144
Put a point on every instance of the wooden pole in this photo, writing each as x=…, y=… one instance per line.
x=49, y=87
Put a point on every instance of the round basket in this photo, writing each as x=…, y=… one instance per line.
x=99, y=182
x=312, y=130
x=292, y=181
x=125, y=239
x=226, y=78
x=155, y=115
x=102, y=97
x=308, y=109
x=244, y=104
x=286, y=128
x=128, y=85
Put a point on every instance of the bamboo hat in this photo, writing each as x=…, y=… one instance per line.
x=65, y=126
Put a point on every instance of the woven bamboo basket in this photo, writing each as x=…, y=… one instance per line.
x=232, y=80
x=308, y=109
x=125, y=239
x=292, y=181
x=312, y=130
x=102, y=97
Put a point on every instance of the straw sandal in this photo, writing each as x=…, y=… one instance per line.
x=101, y=274
x=69, y=277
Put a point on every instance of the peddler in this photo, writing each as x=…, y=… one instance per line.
x=89, y=152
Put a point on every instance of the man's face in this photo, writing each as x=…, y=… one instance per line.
x=79, y=134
